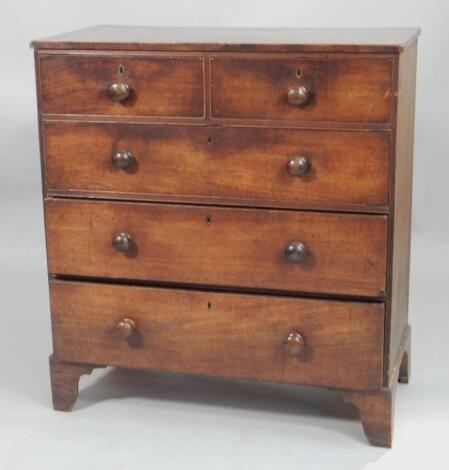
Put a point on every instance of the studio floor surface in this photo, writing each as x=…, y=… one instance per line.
x=144, y=420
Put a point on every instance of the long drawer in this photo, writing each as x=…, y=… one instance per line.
x=269, y=167
x=318, y=342
x=333, y=88
x=260, y=249
x=123, y=85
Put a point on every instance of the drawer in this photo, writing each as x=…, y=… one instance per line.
x=157, y=85
x=219, y=165
x=335, y=88
x=342, y=254
x=317, y=342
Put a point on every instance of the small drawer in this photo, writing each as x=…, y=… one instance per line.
x=332, y=89
x=317, y=342
x=251, y=248
x=231, y=165
x=122, y=85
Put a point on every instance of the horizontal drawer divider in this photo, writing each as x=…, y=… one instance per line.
x=201, y=121
x=212, y=288
x=370, y=210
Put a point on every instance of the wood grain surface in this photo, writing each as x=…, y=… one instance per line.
x=206, y=211
x=402, y=186
x=160, y=86
x=346, y=254
x=226, y=335
x=140, y=38
x=344, y=89
x=348, y=170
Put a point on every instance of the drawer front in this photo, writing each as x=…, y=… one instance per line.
x=231, y=165
x=336, y=89
x=345, y=254
x=157, y=86
x=242, y=336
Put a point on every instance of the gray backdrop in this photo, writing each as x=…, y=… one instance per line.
x=136, y=420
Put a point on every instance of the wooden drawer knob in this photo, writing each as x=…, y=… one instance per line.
x=125, y=328
x=119, y=91
x=123, y=242
x=123, y=159
x=299, y=94
x=298, y=166
x=295, y=252
x=294, y=343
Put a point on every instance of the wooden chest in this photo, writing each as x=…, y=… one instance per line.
x=231, y=202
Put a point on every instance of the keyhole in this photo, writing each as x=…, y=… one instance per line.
x=209, y=139
x=208, y=219
x=298, y=72
x=121, y=69
x=209, y=305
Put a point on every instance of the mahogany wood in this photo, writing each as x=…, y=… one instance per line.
x=150, y=38
x=317, y=124
x=377, y=408
x=401, y=201
x=346, y=254
x=64, y=382
x=344, y=90
x=228, y=335
x=376, y=414
x=245, y=165
x=159, y=86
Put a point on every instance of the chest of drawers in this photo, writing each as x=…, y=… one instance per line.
x=234, y=203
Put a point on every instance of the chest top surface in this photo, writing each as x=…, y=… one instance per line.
x=107, y=37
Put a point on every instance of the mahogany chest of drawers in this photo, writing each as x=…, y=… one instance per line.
x=231, y=202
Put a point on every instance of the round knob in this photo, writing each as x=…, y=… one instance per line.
x=123, y=159
x=294, y=343
x=119, y=91
x=299, y=94
x=298, y=166
x=125, y=328
x=122, y=242
x=295, y=252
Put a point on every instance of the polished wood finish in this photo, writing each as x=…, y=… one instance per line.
x=119, y=91
x=64, y=382
x=247, y=166
x=345, y=90
x=376, y=414
x=294, y=343
x=228, y=335
x=300, y=93
x=402, y=206
x=298, y=166
x=255, y=184
x=123, y=159
x=123, y=243
x=150, y=38
x=158, y=86
x=377, y=408
x=125, y=329
x=346, y=254
x=295, y=252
